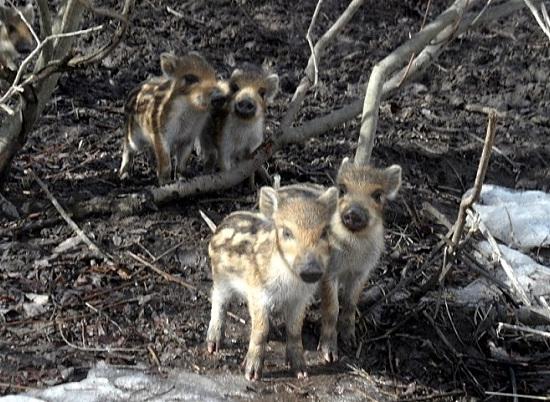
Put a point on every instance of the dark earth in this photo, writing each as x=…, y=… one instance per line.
x=410, y=347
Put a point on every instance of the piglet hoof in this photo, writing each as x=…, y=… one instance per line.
x=124, y=176
x=252, y=368
x=297, y=363
x=301, y=375
x=212, y=347
x=329, y=349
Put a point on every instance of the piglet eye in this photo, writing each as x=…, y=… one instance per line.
x=191, y=78
x=324, y=233
x=262, y=92
x=377, y=196
x=342, y=189
x=234, y=87
x=287, y=234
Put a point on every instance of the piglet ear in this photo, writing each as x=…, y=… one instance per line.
x=393, y=181
x=236, y=73
x=168, y=64
x=269, y=201
x=329, y=198
x=344, y=166
x=271, y=86
x=28, y=13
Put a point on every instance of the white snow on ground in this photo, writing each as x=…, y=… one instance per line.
x=520, y=220
x=105, y=383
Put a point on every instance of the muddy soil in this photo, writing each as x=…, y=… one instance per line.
x=87, y=310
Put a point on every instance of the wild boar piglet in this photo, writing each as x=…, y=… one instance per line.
x=239, y=129
x=167, y=114
x=356, y=239
x=273, y=260
x=357, y=242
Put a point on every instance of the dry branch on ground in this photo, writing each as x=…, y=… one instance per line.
x=54, y=55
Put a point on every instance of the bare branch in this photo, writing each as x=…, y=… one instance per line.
x=79, y=232
x=45, y=31
x=155, y=196
x=318, y=50
x=337, y=117
x=15, y=129
x=544, y=24
x=15, y=87
x=381, y=70
x=310, y=42
x=116, y=39
x=168, y=277
x=480, y=177
x=502, y=325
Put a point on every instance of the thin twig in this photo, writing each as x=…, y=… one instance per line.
x=476, y=19
x=322, y=43
x=95, y=350
x=170, y=250
x=70, y=222
x=544, y=25
x=480, y=178
x=502, y=325
x=523, y=396
x=15, y=84
x=165, y=275
x=514, y=383
x=310, y=42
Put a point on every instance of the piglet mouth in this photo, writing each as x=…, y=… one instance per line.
x=311, y=277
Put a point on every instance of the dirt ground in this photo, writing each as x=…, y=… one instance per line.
x=62, y=308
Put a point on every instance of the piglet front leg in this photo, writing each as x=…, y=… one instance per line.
x=254, y=360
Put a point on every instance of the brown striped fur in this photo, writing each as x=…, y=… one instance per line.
x=15, y=36
x=237, y=129
x=168, y=113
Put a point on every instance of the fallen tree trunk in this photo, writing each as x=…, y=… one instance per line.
x=152, y=197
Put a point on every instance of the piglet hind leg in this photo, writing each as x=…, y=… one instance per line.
x=183, y=152
x=214, y=336
x=127, y=160
x=346, y=322
x=164, y=162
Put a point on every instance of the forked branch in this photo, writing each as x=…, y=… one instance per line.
x=388, y=65
x=318, y=49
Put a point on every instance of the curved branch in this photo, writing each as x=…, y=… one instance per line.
x=381, y=70
x=318, y=50
x=153, y=197
x=320, y=125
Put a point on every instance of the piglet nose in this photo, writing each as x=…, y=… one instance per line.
x=218, y=99
x=355, y=218
x=311, y=270
x=246, y=107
